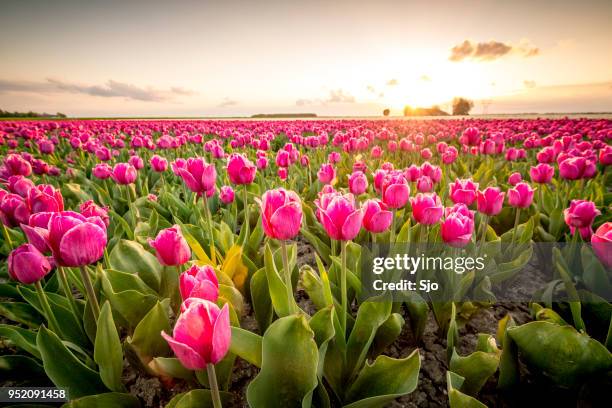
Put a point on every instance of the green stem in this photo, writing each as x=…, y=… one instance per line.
x=91, y=295
x=246, y=207
x=68, y=292
x=517, y=218
x=343, y=291
x=392, y=236
x=483, y=237
x=7, y=237
x=44, y=303
x=214, y=387
x=213, y=252
x=287, y=276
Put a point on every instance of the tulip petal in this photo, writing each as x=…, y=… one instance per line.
x=82, y=245
x=381, y=221
x=222, y=336
x=287, y=221
x=186, y=355
x=352, y=225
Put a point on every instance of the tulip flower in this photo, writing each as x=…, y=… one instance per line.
x=580, y=215
x=515, y=178
x=158, y=164
x=458, y=226
x=102, y=171
x=358, y=183
x=521, y=196
x=463, y=191
x=171, y=248
x=490, y=201
x=136, y=161
x=201, y=338
x=376, y=217
x=124, y=173
x=20, y=185
x=198, y=175
x=282, y=173
x=342, y=222
x=602, y=244
x=226, y=195
x=395, y=190
x=281, y=214
x=91, y=209
x=27, y=264
x=426, y=208
x=240, y=170
x=326, y=173
x=16, y=165
x=199, y=282
x=425, y=184
x=44, y=198
x=542, y=173
x=13, y=209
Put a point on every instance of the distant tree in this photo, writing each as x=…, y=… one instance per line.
x=60, y=115
x=462, y=106
x=408, y=111
x=386, y=112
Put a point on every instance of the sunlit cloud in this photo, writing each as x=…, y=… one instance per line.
x=392, y=82
x=529, y=84
x=490, y=50
x=109, y=90
x=227, y=102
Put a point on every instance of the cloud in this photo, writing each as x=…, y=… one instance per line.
x=182, y=91
x=392, y=82
x=425, y=78
x=227, y=102
x=109, y=90
x=491, y=50
x=340, y=96
x=371, y=89
x=302, y=102
x=529, y=84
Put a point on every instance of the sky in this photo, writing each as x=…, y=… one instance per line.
x=345, y=58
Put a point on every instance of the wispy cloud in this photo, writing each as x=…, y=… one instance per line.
x=491, y=50
x=227, y=102
x=109, y=90
x=392, y=82
x=529, y=84
x=335, y=96
x=425, y=78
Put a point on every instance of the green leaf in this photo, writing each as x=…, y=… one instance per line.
x=313, y=286
x=475, y=369
x=199, y=398
x=108, y=353
x=260, y=299
x=170, y=367
x=387, y=333
x=130, y=256
x=509, y=374
x=289, y=365
x=21, y=312
x=109, y=399
x=278, y=290
x=147, y=337
x=64, y=369
x=418, y=312
x=560, y=352
x=21, y=368
x=452, y=335
x=456, y=398
x=20, y=337
x=246, y=345
x=384, y=380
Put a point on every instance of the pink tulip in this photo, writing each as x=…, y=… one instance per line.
x=470, y=136
x=198, y=175
x=426, y=208
x=44, y=198
x=226, y=195
x=326, y=173
x=340, y=218
x=425, y=184
x=602, y=243
x=199, y=282
x=102, y=171
x=515, y=178
x=170, y=247
x=542, y=173
x=605, y=155
x=574, y=168
x=20, y=185
x=376, y=217
x=17, y=165
x=521, y=196
x=91, y=209
x=305, y=161
x=450, y=155
x=240, y=170
x=158, y=164
x=463, y=191
x=201, y=335
x=282, y=173
x=13, y=209
x=412, y=173
x=580, y=215
x=281, y=213
x=490, y=201
x=136, y=161
x=124, y=173
x=395, y=190
x=262, y=163
x=458, y=226
x=358, y=183
x=27, y=264
x=75, y=240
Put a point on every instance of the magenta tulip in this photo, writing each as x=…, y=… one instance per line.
x=326, y=173
x=358, y=183
x=515, y=178
x=102, y=171
x=198, y=175
x=395, y=190
x=542, y=173
x=27, y=264
x=16, y=165
x=44, y=198
x=463, y=191
x=226, y=195
x=458, y=226
x=240, y=169
x=340, y=218
x=158, y=164
x=124, y=173
x=376, y=217
x=490, y=201
x=170, y=246
x=201, y=335
x=91, y=209
x=199, y=282
x=521, y=196
x=602, y=243
x=20, y=185
x=13, y=209
x=426, y=208
x=580, y=215
x=281, y=213
x=75, y=240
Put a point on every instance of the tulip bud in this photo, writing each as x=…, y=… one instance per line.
x=490, y=201
x=170, y=247
x=341, y=220
x=376, y=217
x=27, y=264
x=281, y=213
x=199, y=282
x=521, y=196
x=602, y=243
x=240, y=170
x=226, y=195
x=124, y=173
x=358, y=183
x=426, y=208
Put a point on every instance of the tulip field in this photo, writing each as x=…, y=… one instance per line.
x=210, y=263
